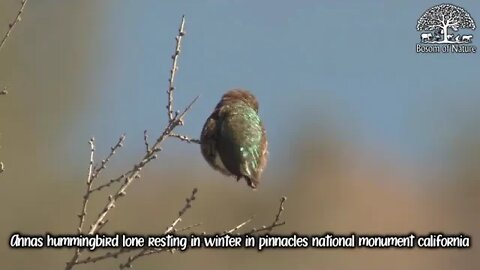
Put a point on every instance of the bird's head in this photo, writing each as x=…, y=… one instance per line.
x=240, y=95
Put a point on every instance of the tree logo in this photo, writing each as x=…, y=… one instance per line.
x=440, y=26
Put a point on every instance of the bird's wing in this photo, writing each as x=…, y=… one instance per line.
x=207, y=138
x=208, y=144
x=240, y=144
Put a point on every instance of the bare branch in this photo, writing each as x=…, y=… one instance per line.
x=276, y=222
x=111, y=182
x=105, y=256
x=171, y=80
x=112, y=199
x=86, y=197
x=102, y=225
x=145, y=140
x=187, y=228
x=92, y=174
x=185, y=138
x=12, y=25
x=121, y=251
x=135, y=172
x=89, y=186
x=281, y=208
x=170, y=229
x=143, y=253
x=239, y=226
x=103, y=164
x=127, y=178
x=97, y=169
x=150, y=251
x=179, y=118
x=187, y=206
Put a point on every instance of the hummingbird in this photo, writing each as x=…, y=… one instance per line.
x=233, y=139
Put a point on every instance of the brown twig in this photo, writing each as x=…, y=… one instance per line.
x=105, y=256
x=4, y=39
x=281, y=208
x=99, y=168
x=145, y=251
x=151, y=154
x=145, y=140
x=276, y=222
x=93, y=172
x=182, y=212
x=12, y=25
x=111, y=182
x=187, y=228
x=126, y=179
x=135, y=172
x=86, y=197
x=170, y=229
x=184, y=138
x=266, y=228
x=171, y=80
x=150, y=251
x=89, y=182
x=239, y=226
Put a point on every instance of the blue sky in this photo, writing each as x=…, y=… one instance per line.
x=349, y=64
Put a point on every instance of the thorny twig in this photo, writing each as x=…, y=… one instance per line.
x=135, y=172
x=185, y=138
x=239, y=226
x=127, y=178
x=187, y=228
x=174, y=120
x=82, y=215
x=182, y=212
x=93, y=172
x=103, y=164
x=2, y=167
x=171, y=80
x=4, y=39
x=146, y=251
x=150, y=251
x=105, y=256
x=276, y=222
x=145, y=140
x=170, y=229
x=12, y=25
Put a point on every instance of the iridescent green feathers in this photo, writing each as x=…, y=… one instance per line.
x=233, y=139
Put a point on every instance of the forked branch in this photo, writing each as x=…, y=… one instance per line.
x=124, y=180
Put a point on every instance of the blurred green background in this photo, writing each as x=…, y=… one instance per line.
x=366, y=136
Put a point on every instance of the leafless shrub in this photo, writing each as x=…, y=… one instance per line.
x=122, y=182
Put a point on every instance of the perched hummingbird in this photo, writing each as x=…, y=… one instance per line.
x=233, y=139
